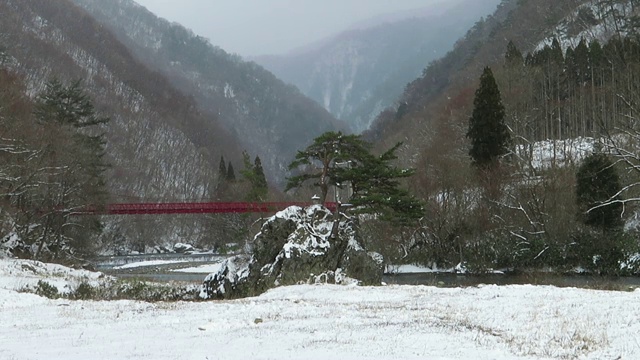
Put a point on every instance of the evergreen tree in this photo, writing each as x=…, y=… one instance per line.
x=254, y=173
x=490, y=138
x=231, y=174
x=345, y=162
x=597, y=184
x=581, y=62
x=320, y=160
x=556, y=55
x=376, y=188
x=513, y=56
x=222, y=169
x=596, y=55
x=74, y=176
x=261, y=179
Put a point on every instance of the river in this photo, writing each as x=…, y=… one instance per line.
x=117, y=266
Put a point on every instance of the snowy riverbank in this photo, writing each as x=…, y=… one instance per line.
x=319, y=322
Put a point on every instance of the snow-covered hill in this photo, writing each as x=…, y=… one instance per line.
x=595, y=20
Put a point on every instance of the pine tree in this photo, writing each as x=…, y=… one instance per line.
x=327, y=151
x=597, y=184
x=222, y=169
x=513, y=56
x=231, y=174
x=557, y=57
x=581, y=59
x=261, y=179
x=490, y=138
x=76, y=165
x=344, y=161
x=254, y=174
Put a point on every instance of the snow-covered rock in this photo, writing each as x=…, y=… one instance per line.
x=182, y=248
x=297, y=246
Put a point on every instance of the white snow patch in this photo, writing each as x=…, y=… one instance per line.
x=202, y=269
x=18, y=274
x=149, y=263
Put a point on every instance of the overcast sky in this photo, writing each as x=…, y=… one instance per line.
x=260, y=27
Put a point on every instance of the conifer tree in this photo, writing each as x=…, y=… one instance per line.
x=597, y=184
x=231, y=174
x=513, y=56
x=556, y=55
x=344, y=161
x=490, y=138
x=254, y=173
x=327, y=150
x=261, y=179
x=222, y=169
x=74, y=155
x=581, y=61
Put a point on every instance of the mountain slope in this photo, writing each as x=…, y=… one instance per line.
x=161, y=147
x=454, y=76
x=360, y=72
x=271, y=119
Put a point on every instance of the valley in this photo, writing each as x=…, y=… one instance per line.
x=454, y=181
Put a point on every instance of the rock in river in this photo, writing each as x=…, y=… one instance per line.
x=297, y=246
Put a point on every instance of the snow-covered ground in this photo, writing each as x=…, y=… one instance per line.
x=324, y=321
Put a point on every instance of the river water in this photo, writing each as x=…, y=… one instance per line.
x=431, y=279
x=166, y=273
x=456, y=280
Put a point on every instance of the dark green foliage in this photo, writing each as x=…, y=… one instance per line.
x=47, y=290
x=254, y=173
x=231, y=174
x=222, y=169
x=513, y=56
x=376, y=188
x=84, y=291
x=490, y=138
x=320, y=160
x=605, y=253
x=345, y=162
x=65, y=174
x=119, y=290
x=547, y=56
x=67, y=105
x=261, y=179
x=597, y=187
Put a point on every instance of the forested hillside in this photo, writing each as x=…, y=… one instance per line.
x=519, y=147
x=357, y=74
x=565, y=75
x=160, y=147
x=269, y=118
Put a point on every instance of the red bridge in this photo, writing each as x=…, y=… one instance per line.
x=195, y=208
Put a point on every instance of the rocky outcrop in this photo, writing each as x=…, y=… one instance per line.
x=297, y=246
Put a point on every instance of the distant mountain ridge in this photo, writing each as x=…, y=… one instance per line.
x=360, y=72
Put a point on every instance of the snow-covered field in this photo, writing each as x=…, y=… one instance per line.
x=321, y=322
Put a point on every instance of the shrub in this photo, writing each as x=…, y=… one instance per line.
x=47, y=290
x=605, y=252
x=84, y=291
